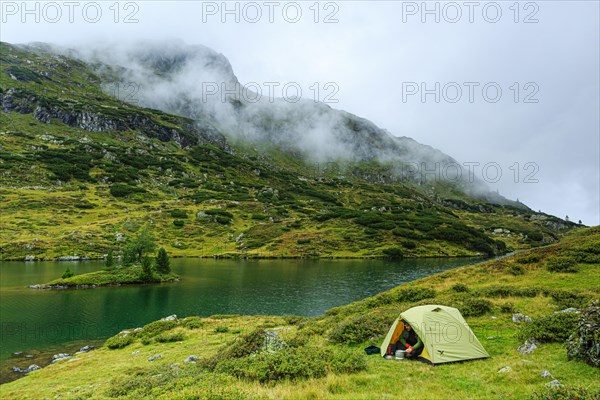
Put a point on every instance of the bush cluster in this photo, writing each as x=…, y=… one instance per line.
x=550, y=328
x=414, y=294
x=584, y=343
x=292, y=364
x=360, y=328
x=562, y=264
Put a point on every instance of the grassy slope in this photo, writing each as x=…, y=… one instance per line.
x=105, y=371
x=56, y=181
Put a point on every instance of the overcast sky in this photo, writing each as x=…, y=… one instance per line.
x=542, y=131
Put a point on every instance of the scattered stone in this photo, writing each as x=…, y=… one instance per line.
x=60, y=356
x=526, y=361
x=28, y=356
x=85, y=349
x=170, y=318
x=135, y=352
x=493, y=317
x=493, y=337
x=518, y=317
x=30, y=258
x=191, y=359
x=554, y=384
x=73, y=359
x=528, y=347
x=17, y=353
x=155, y=357
x=32, y=367
x=546, y=374
x=568, y=310
x=138, y=329
x=504, y=370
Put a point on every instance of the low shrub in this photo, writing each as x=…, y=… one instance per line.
x=303, y=241
x=221, y=329
x=178, y=223
x=409, y=244
x=515, y=269
x=566, y=393
x=561, y=264
x=155, y=328
x=118, y=342
x=566, y=299
x=177, y=213
x=528, y=259
x=550, y=328
x=293, y=364
x=361, y=328
x=459, y=288
x=414, y=294
x=193, y=323
x=393, y=252
x=475, y=307
x=167, y=337
x=507, y=308
x=584, y=343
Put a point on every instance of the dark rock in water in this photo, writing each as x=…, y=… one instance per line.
x=85, y=349
x=28, y=356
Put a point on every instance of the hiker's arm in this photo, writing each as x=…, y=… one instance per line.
x=402, y=341
x=419, y=344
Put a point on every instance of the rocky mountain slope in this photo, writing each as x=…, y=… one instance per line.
x=82, y=170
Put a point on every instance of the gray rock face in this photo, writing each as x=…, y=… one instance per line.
x=155, y=357
x=30, y=258
x=170, y=318
x=41, y=115
x=518, y=317
x=528, y=347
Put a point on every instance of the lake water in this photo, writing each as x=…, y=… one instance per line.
x=42, y=319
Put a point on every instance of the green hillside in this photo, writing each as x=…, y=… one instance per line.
x=81, y=172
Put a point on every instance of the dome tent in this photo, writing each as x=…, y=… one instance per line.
x=444, y=332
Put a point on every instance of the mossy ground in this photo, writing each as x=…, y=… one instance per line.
x=523, y=279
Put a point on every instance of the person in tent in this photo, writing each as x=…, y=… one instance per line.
x=411, y=341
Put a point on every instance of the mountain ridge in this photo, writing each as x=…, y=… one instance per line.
x=82, y=171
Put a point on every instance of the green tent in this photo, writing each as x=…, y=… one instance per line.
x=444, y=332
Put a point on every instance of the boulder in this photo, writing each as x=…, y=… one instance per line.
x=155, y=357
x=546, y=374
x=504, y=370
x=528, y=347
x=191, y=359
x=554, y=384
x=170, y=318
x=518, y=317
x=60, y=356
x=85, y=349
